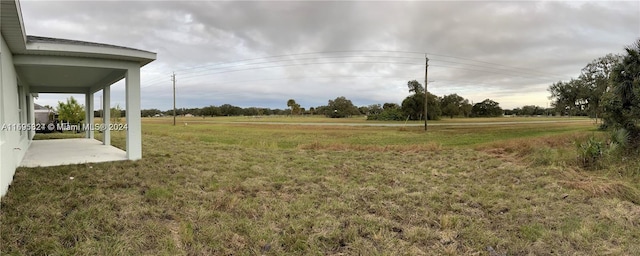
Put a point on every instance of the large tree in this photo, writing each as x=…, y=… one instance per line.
x=230, y=110
x=622, y=103
x=388, y=112
x=389, y=105
x=531, y=110
x=341, y=107
x=211, y=111
x=583, y=96
x=295, y=107
x=595, y=81
x=453, y=105
x=413, y=105
x=71, y=111
x=375, y=109
x=486, y=108
x=568, y=96
x=415, y=87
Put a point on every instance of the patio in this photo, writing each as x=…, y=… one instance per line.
x=55, y=152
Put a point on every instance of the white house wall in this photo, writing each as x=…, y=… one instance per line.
x=13, y=144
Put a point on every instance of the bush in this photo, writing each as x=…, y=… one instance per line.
x=394, y=114
x=619, y=141
x=590, y=152
x=593, y=151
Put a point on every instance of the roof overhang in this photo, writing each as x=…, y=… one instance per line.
x=54, y=65
x=52, y=77
x=11, y=25
x=61, y=65
x=46, y=46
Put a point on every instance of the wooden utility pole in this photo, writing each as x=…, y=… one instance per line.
x=426, y=68
x=173, y=79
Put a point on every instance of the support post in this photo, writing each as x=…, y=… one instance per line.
x=31, y=115
x=106, y=115
x=134, y=124
x=89, y=116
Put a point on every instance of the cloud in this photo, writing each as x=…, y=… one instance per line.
x=508, y=51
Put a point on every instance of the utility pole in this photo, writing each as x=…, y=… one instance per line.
x=173, y=78
x=426, y=67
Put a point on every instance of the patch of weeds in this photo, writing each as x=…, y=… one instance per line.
x=532, y=232
x=596, y=153
x=600, y=187
x=544, y=156
x=186, y=234
x=570, y=225
x=449, y=221
x=157, y=194
x=591, y=152
x=214, y=184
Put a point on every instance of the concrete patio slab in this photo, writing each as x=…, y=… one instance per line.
x=44, y=153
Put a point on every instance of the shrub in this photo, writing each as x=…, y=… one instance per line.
x=619, y=141
x=394, y=114
x=590, y=152
x=593, y=151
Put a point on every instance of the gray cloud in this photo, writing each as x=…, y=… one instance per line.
x=546, y=41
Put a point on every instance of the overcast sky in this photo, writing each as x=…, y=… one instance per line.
x=264, y=53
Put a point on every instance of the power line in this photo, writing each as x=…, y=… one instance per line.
x=463, y=82
x=488, y=71
x=363, y=62
x=302, y=59
x=251, y=64
x=294, y=54
x=491, y=63
x=347, y=62
x=528, y=70
x=304, y=64
x=304, y=77
x=502, y=69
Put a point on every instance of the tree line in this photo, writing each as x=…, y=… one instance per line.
x=583, y=96
x=608, y=88
x=411, y=108
x=452, y=105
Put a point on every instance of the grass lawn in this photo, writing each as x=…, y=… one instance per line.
x=220, y=188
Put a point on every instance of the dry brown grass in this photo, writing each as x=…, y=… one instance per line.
x=371, y=148
x=597, y=185
x=543, y=151
x=526, y=146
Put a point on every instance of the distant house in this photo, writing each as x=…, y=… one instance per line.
x=43, y=115
x=30, y=65
x=188, y=115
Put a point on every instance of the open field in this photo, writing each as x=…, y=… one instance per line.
x=353, y=120
x=284, y=189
